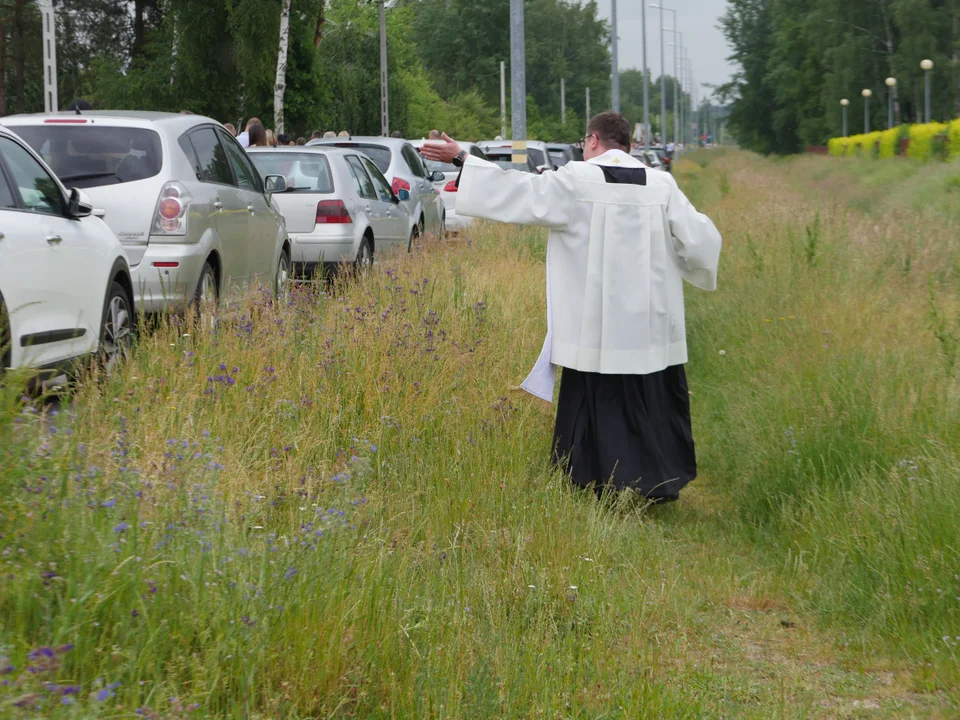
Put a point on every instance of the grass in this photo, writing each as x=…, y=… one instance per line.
x=339, y=507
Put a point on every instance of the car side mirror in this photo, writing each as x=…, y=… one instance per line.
x=437, y=176
x=79, y=205
x=403, y=195
x=275, y=184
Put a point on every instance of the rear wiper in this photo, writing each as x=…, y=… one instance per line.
x=88, y=176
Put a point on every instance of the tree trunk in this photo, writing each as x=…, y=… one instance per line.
x=139, y=30
x=888, y=33
x=321, y=19
x=21, y=57
x=281, y=84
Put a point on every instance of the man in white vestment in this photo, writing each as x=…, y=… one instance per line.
x=622, y=240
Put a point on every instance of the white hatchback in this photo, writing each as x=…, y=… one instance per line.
x=448, y=185
x=65, y=285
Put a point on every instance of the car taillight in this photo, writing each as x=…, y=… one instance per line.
x=400, y=184
x=171, y=215
x=332, y=212
x=450, y=186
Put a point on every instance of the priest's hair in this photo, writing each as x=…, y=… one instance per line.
x=612, y=130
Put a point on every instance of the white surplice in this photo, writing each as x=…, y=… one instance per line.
x=617, y=255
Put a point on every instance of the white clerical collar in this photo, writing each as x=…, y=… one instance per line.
x=616, y=158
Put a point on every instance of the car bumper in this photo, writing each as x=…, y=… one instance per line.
x=328, y=245
x=457, y=222
x=162, y=288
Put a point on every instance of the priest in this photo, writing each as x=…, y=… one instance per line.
x=622, y=240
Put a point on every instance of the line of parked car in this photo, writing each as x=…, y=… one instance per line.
x=104, y=215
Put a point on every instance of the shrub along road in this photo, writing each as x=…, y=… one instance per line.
x=337, y=508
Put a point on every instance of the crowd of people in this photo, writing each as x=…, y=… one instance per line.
x=255, y=134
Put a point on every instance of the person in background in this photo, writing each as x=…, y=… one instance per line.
x=271, y=138
x=622, y=242
x=230, y=129
x=316, y=135
x=329, y=134
x=79, y=105
x=284, y=140
x=257, y=134
x=396, y=134
x=434, y=135
x=343, y=134
x=301, y=141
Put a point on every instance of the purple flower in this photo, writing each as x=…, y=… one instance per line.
x=122, y=527
x=40, y=652
x=108, y=503
x=290, y=573
x=5, y=667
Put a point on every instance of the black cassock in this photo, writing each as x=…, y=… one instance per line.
x=626, y=431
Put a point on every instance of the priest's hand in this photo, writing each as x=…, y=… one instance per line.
x=443, y=150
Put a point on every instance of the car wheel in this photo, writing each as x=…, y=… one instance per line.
x=207, y=293
x=365, y=255
x=282, y=281
x=414, y=239
x=116, y=330
x=6, y=339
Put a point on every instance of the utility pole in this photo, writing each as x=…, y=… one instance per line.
x=51, y=102
x=563, y=101
x=587, y=113
x=518, y=84
x=384, y=91
x=503, y=99
x=663, y=85
x=613, y=56
x=646, y=79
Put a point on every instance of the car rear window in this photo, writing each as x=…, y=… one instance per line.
x=378, y=153
x=559, y=157
x=503, y=159
x=87, y=156
x=434, y=166
x=537, y=156
x=305, y=172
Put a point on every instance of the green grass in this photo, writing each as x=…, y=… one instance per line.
x=340, y=508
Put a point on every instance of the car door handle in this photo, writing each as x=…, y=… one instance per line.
x=218, y=205
x=54, y=239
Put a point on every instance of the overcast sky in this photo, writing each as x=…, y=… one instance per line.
x=696, y=19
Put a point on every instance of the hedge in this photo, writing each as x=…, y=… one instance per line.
x=926, y=141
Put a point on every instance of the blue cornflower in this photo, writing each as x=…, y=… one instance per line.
x=122, y=527
x=108, y=503
x=290, y=573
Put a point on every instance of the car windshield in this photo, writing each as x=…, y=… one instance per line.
x=304, y=172
x=86, y=156
x=378, y=153
x=504, y=160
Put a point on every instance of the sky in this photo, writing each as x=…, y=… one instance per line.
x=696, y=19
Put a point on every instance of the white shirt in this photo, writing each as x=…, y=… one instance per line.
x=244, y=139
x=616, y=258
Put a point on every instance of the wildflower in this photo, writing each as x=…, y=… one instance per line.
x=290, y=573
x=108, y=503
x=723, y=352
x=122, y=527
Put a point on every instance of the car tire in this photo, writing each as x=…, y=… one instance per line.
x=282, y=280
x=414, y=238
x=207, y=292
x=6, y=338
x=117, y=329
x=365, y=256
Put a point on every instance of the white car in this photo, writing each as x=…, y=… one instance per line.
x=186, y=202
x=338, y=206
x=448, y=185
x=403, y=167
x=65, y=285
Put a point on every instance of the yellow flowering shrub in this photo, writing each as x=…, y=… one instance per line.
x=922, y=139
x=890, y=143
x=837, y=146
x=954, y=135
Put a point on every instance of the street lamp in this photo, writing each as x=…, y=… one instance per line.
x=867, y=93
x=844, y=104
x=663, y=71
x=927, y=66
x=891, y=89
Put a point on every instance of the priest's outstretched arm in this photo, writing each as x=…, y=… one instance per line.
x=488, y=191
x=696, y=240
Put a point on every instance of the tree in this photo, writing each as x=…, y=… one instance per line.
x=281, y=83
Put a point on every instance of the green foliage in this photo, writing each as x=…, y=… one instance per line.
x=924, y=141
x=798, y=58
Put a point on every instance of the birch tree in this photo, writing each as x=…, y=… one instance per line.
x=281, y=84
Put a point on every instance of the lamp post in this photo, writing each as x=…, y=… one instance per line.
x=926, y=66
x=867, y=93
x=891, y=83
x=663, y=71
x=844, y=104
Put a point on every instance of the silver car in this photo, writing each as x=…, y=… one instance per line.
x=448, y=184
x=405, y=170
x=338, y=206
x=191, y=210
x=536, y=151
